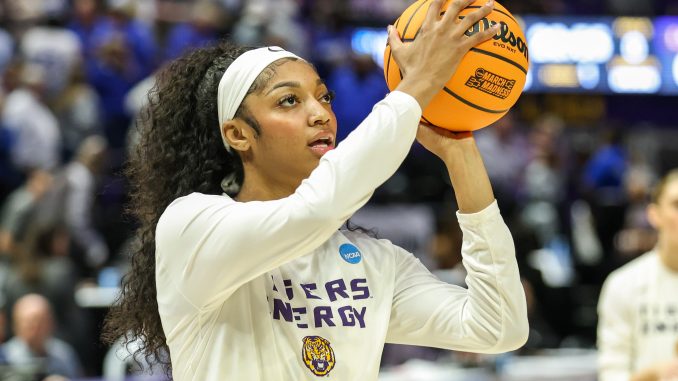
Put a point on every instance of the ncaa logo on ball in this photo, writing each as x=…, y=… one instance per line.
x=491, y=83
x=350, y=253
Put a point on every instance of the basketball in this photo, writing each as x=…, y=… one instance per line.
x=489, y=79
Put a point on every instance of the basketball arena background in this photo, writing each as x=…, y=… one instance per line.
x=572, y=164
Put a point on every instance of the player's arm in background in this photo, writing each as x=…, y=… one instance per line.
x=491, y=315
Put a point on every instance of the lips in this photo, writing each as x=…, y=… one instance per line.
x=322, y=143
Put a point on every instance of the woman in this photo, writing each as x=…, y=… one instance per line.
x=638, y=305
x=257, y=283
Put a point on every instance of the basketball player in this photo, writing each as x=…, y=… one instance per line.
x=638, y=307
x=240, y=191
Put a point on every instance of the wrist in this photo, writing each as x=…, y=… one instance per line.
x=420, y=88
x=459, y=152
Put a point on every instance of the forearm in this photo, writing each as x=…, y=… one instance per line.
x=495, y=292
x=490, y=316
x=419, y=88
x=469, y=178
x=368, y=157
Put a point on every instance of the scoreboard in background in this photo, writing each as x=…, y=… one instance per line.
x=616, y=55
x=603, y=55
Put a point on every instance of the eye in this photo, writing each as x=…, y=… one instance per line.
x=288, y=100
x=328, y=97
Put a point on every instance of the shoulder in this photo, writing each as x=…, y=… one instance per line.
x=77, y=174
x=195, y=202
x=57, y=347
x=15, y=349
x=13, y=344
x=634, y=274
x=186, y=208
x=379, y=247
x=636, y=267
x=202, y=198
x=17, y=99
x=360, y=238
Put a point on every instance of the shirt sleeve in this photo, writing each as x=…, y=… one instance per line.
x=78, y=204
x=488, y=317
x=209, y=245
x=615, y=331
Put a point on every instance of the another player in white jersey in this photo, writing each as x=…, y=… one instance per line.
x=242, y=273
x=638, y=307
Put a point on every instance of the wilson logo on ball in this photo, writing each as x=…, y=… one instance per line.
x=491, y=83
x=505, y=35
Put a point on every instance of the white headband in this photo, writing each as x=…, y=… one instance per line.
x=240, y=76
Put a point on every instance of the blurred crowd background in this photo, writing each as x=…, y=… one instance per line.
x=572, y=173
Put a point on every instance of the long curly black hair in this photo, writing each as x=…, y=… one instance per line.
x=180, y=152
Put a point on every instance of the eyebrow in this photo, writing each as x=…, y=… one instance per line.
x=291, y=84
x=283, y=84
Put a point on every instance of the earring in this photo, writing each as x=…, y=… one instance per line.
x=230, y=185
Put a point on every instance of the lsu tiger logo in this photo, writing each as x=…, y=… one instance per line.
x=318, y=355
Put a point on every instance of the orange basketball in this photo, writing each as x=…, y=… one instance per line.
x=490, y=77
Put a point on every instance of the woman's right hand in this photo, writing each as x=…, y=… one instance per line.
x=429, y=62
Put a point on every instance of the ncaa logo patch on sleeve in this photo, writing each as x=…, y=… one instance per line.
x=350, y=253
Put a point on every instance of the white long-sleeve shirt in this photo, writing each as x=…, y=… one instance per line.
x=638, y=318
x=272, y=291
x=35, y=128
x=79, y=201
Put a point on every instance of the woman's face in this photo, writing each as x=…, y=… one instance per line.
x=297, y=125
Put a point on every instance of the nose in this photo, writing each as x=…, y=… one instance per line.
x=319, y=115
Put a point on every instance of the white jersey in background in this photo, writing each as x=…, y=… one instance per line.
x=57, y=50
x=35, y=131
x=270, y=290
x=638, y=318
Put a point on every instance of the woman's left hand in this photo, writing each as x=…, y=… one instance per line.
x=442, y=142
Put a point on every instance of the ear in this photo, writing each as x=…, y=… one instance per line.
x=237, y=134
x=653, y=215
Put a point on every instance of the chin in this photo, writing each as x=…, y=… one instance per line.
x=309, y=169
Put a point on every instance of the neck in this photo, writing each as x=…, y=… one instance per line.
x=36, y=348
x=259, y=187
x=668, y=255
x=87, y=164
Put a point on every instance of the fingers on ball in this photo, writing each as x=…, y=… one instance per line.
x=433, y=11
x=455, y=8
x=475, y=16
